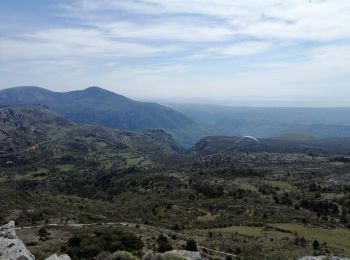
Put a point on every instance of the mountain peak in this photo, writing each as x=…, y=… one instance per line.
x=95, y=105
x=99, y=94
x=96, y=89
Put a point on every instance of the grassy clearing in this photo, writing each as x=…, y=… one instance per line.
x=42, y=170
x=339, y=238
x=65, y=167
x=108, y=165
x=283, y=186
x=179, y=175
x=256, y=232
x=244, y=230
x=331, y=196
x=208, y=217
x=247, y=186
x=135, y=160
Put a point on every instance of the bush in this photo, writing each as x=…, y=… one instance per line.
x=75, y=241
x=90, y=250
x=163, y=244
x=33, y=243
x=176, y=227
x=316, y=245
x=84, y=246
x=43, y=232
x=210, y=190
x=170, y=256
x=164, y=247
x=123, y=255
x=191, y=245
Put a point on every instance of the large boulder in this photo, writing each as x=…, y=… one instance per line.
x=11, y=247
x=180, y=254
x=56, y=257
x=188, y=254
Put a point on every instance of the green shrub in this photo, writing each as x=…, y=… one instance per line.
x=43, y=232
x=163, y=244
x=84, y=246
x=75, y=241
x=171, y=256
x=90, y=250
x=191, y=245
x=316, y=245
x=123, y=255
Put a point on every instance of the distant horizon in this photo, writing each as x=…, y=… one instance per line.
x=238, y=103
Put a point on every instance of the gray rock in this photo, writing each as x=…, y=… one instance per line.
x=149, y=255
x=61, y=257
x=189, y=255
x=11, y=247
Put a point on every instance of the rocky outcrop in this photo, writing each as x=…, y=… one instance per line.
x=188, y=254
x=11, y=247
x=56, y=257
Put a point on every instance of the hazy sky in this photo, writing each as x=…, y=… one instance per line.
x=293, y=52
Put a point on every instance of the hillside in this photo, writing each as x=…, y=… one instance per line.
x=101, y=107
x=24, y=126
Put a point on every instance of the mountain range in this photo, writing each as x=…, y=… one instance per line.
x=101, y=107
x=187, y=123
x=24, y=126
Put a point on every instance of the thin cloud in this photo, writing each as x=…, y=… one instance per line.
x=245, y=48
x=76, y=42
x=289, y=19
x=179, y=31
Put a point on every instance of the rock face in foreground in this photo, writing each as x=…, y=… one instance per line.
x=11, y=247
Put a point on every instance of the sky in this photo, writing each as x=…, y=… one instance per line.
x=231, y=52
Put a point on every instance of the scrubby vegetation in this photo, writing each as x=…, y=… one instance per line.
x=250, y=205
x=87, y=246
x=135, y=193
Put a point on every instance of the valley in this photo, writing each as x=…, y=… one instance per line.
x=242, y=202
